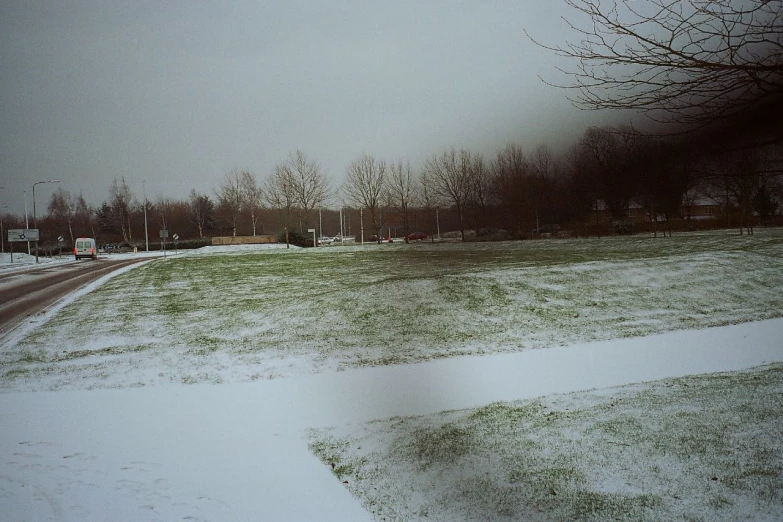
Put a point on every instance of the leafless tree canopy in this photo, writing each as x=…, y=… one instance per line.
x=685, y=61
x=401, y=191
x=230, y=199
x=298, y=183
x=449, y=177
x=120, y=196
x=200, y=211
x=365, y=184
x=62, y=207
x=252, y=195
x=163, y=208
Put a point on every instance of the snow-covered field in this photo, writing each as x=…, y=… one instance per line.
x=270, y=313
x=692, y=448
x=462, y=326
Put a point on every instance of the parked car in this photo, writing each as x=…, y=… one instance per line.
x=85, y=247
x=324, y=240
x=416, y=236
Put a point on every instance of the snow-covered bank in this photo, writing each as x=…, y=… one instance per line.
x=239, y=451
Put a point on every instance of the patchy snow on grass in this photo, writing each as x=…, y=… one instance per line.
x=439, y=407
x=227, y=315
x=240, y=451
x=693, y=448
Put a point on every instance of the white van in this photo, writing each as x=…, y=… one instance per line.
x=85, y=247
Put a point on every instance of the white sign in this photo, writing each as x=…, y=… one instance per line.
x=176, y=237
x=164, y=233
x=22, y=234
x=311, y=230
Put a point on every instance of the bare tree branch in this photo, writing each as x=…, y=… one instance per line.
x=686, y=61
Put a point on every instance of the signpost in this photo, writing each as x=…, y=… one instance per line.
x=313, y=231
x=176, y=240
x=163, y=235
x=19, y=235
x=22, y=234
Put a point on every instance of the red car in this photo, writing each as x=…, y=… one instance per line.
x=416, y=236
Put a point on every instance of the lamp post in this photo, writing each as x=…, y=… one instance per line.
x=146, y=235
x=26, y=222
x=2, y=232
x=35, y=218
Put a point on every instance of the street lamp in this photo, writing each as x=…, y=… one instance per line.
x=35, y=219
x=2, y=232
x=146, y=235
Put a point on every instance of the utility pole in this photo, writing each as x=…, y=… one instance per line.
x=361, y=221
x=26, y=222
x=342, y=235
x=2, y=233
x=146, y=235
x=35, y=218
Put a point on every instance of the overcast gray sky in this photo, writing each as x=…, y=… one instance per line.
x=176, y=94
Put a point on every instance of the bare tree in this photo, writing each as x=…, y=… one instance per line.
x=510, y=174
x=84, y=217
x=738, y=177
x=201, y=209
x=430, y=201
x=663, y=180
x=603, y=162
x=120, y=203
x=401, y=186
x=365, y=184
x=279, y=193
x=479, y=191
x=252, y=194
x=62, y=208
x=163, y=207
x=449, y=177
x=686, y=61
x=543, y=168
x=230, y=200
x=306, y=182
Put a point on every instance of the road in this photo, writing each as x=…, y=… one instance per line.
x=27, y=293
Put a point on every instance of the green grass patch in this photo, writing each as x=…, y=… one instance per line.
x=346, y=307
x=696, y=448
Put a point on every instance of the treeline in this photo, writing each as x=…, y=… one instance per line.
x=509, y=195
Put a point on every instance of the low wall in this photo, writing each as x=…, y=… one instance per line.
x=244, y=240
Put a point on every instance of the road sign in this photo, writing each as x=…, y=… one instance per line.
x=176, y=237
x=22, y=234
x=164, y=233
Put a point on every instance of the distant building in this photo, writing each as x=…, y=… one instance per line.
x=697, y=206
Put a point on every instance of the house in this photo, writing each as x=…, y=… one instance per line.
x=697, y=206
x=600, y=214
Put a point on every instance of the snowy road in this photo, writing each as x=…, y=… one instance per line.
x=24, y=293
x=238, y=451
